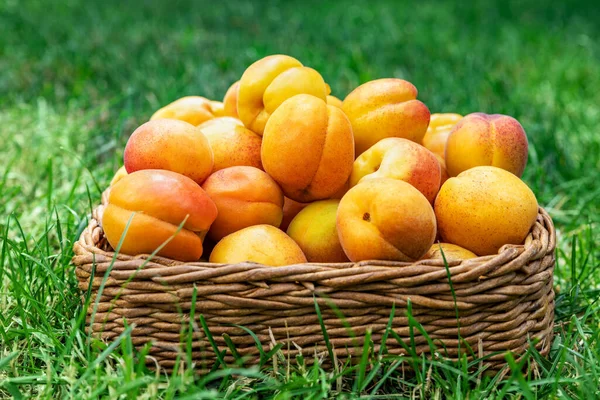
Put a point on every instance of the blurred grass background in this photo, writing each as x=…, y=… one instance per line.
x=76, y=78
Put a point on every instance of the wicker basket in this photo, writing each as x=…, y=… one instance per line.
x=505, y=302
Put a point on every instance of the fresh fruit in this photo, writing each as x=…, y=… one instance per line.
x=440, y=126
x=401, y=159
x=451, y=252
x=121, y=172
x=290, y=209
x=348, y=180
x=334, y=101
x=244, y=196
x=230, y=100
x=314, y=229
x=342, y=191
x=232, y=144
x=267, y=83
x=171, y=145
x=217, y=108
x=443, y=170
x=217, y=124
x=385, y=108
x=308, y=148
x=151, y=205
x=385, y=219
x=481, y=139
x=191, y=109
x=263, y=244
x=484, y=208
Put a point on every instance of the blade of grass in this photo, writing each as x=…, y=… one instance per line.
x=323, y=329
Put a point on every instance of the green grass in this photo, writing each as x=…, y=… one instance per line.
x=76, y=78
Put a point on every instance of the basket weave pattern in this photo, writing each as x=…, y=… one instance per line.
x=504, y=301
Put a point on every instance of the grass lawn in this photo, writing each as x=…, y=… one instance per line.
x=76, y=78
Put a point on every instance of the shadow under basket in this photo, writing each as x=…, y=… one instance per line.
x=504, y=302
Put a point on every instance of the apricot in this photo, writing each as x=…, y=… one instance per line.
x=290, y=209
x=443, y=170
x=385, y=219
x=230, y=100
x=150, y=206
x=191, y=109
x=343, y=190
x=121, y=172
x=244, y=196
x=481, y=139
x=334, y=101
x=171, y=145
x=231, y=143
x=315, y=231
x=484, y=208
x=263, y=244
x=216, y=124
x=385, y=108
x=308, y=148
x=217, y=108
x=267, y=83
x=401, y=159
x=440, y=126
x=451, y=252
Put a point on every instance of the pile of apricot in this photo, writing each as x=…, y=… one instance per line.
x=280, y=172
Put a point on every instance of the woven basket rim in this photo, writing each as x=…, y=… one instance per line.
x=540, y=241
